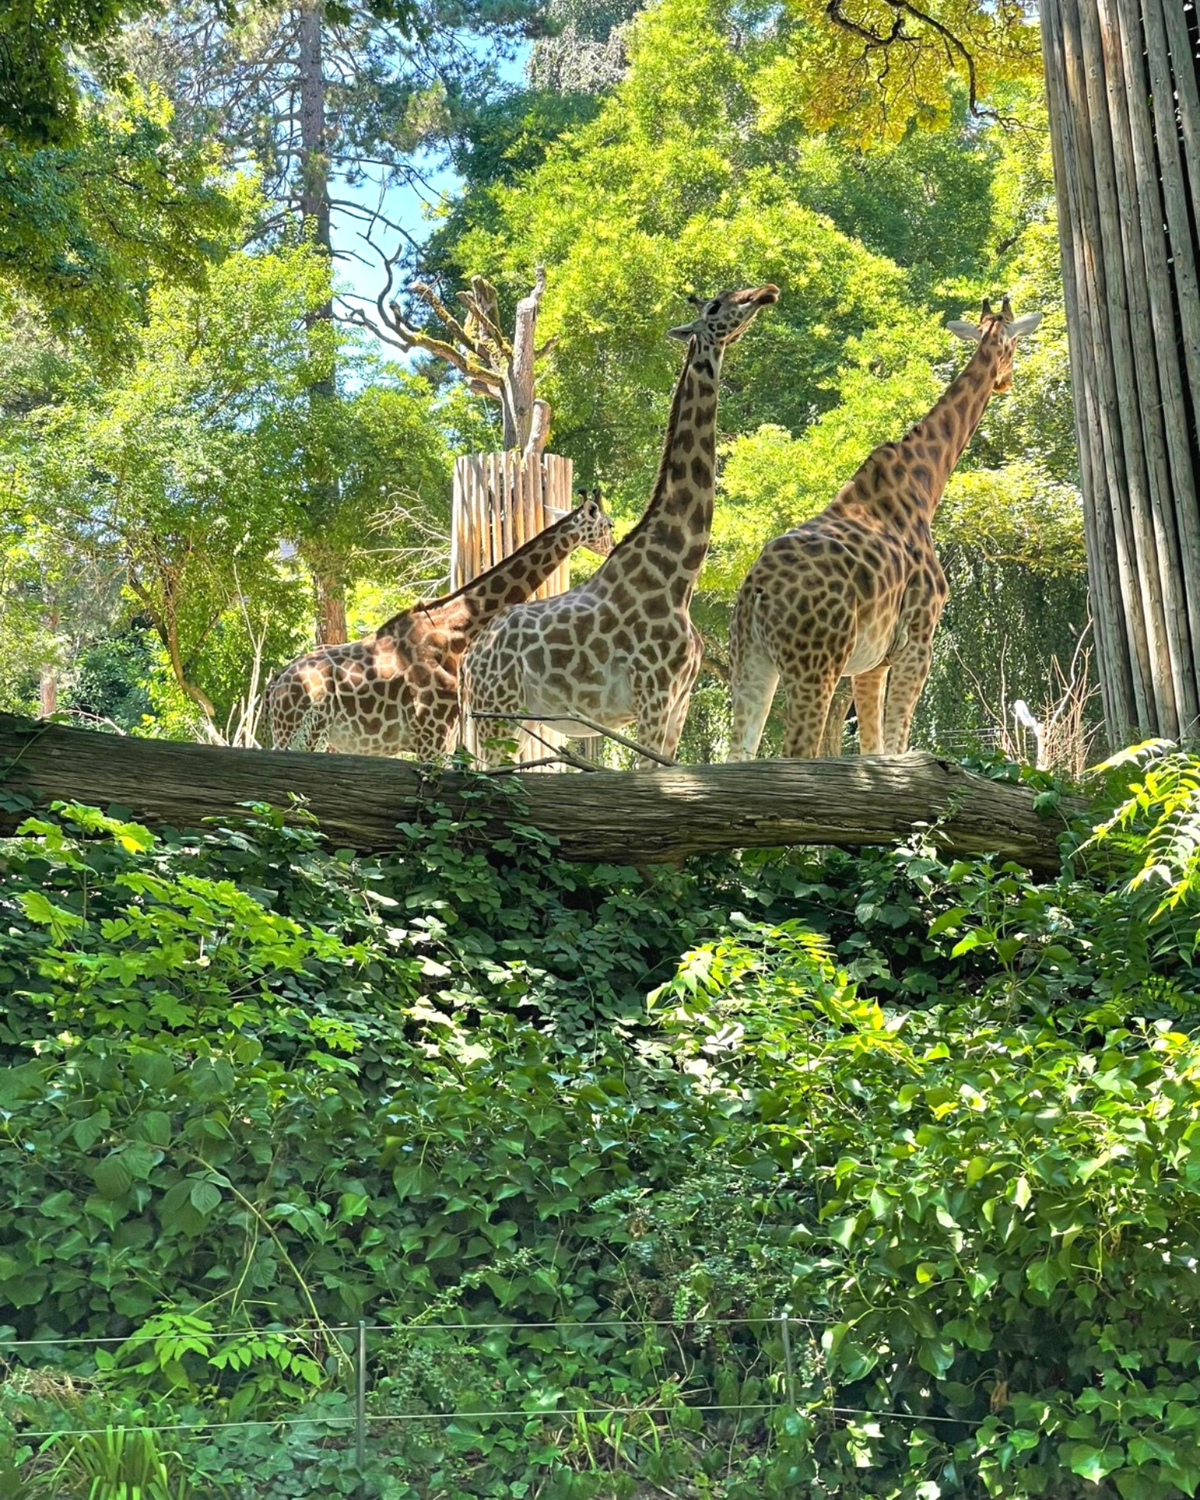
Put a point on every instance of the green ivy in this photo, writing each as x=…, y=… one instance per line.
x=253, y=1089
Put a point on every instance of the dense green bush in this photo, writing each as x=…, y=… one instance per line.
x=254, y=1089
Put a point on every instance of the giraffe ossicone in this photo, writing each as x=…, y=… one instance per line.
x=620, y=647
x=396, y=691
x=858, y=590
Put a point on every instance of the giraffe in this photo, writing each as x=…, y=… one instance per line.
x=620, y=647
x=397, y=689
x=857, y=590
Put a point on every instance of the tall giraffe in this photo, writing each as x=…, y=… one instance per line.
x=620, y=647
x=397, y=689
x=858, y=590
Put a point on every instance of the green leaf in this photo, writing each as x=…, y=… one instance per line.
x=842, y=1231
x=936, y=1356
x=153, y=1068
x=87, y=1132
x=155, y=1126
x=112, y=1176
x=1093, y=1463
x=17, y=1084
x=204, y=1196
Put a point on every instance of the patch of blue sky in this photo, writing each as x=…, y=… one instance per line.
x=413, y=206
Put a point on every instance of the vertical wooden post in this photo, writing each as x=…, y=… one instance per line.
x=360, y=1407
x=1124, y=105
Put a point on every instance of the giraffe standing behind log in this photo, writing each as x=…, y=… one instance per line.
x=397, y=689
x=858, y=590
x=620, y=647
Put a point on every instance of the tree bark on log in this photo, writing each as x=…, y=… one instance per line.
x=627, y=817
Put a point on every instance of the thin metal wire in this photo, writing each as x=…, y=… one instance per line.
x=69, y=1432
x=462, y=1416
x=296, y=1333
x=764, y=1318
x=145, y=1338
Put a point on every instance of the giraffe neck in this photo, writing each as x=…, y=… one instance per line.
x=939, y=439
x=512, y=581
x=519, y=575
x=666, y=549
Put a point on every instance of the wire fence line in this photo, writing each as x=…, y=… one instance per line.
x=464, y=1416
x=302, y=1334
x=361, y=1422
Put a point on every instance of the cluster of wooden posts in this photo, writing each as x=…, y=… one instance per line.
x=1123, y=92
x=502, y=501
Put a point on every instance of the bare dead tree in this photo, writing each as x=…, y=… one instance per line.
x=475, y=345
x=1061, y=727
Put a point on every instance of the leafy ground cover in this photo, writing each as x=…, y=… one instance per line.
x=255, y=1089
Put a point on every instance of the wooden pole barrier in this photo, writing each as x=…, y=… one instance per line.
x=627, y=817
x=1123, y=94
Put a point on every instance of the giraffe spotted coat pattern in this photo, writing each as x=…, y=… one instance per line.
x=396, y=691
x=858, y=590
x=620, y=647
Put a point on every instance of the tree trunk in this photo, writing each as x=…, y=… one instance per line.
x=48, y=676
x=314, y=155
x=331, y=610
x=630, y=817
x=324, y=494
x=1121, y=82
x=519, y=378
x=47, y=690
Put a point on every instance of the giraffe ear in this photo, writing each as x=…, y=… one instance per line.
x=1024, y=325
x=684, y=331
x=969, y=331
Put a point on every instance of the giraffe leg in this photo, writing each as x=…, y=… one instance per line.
x=675, y=722
x=432, y=738
x=283, y=715
x=654, y=706
x=808, y=700
x=680, y=693
x=906, y=677
x=753, y=679
x=835, y=721
x=280, y=724
x=488, y=739
x=870, y=689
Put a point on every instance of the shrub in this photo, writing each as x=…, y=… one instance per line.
x=943, y=1115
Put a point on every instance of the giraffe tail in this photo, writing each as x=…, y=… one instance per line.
x=312, y=732
x=742, y=623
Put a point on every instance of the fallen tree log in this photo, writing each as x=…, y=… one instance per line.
x=628, y=817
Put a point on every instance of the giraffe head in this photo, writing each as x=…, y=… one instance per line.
x=723, y=319
x=1001, y=328
x=591, y=524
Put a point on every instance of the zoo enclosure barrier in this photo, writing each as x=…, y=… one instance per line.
x=353, y=1341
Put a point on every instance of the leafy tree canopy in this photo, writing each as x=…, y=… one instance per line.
x=38, y=90
x=87, y=228
x=183, y=475
x=874, y=66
